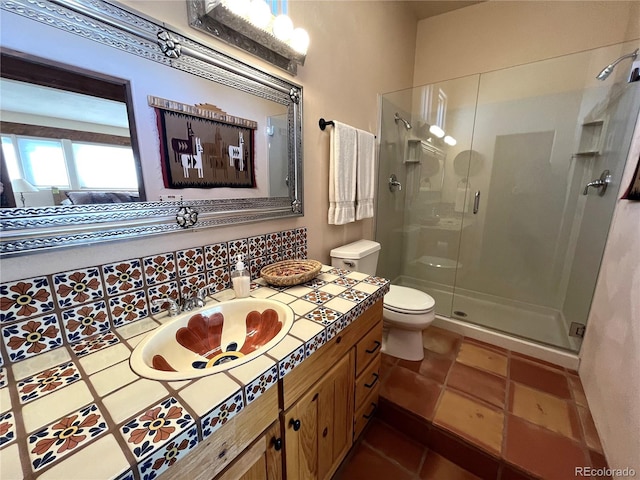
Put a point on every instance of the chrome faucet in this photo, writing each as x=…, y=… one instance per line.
x=178, y=306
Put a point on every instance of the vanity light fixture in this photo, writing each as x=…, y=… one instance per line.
x=250, y=25
x=436, y=130
x=449, y=140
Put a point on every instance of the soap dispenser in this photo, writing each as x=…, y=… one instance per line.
x=241, y=279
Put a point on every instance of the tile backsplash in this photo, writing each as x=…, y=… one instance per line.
x=80, y=307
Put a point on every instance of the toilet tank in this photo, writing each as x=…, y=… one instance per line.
x=361, y=256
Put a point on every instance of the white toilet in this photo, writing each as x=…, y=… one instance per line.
x=407, y=311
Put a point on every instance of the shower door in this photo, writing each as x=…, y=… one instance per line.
x=419, y=223
x=531, y=260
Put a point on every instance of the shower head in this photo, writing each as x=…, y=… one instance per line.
x=606, y=71
x=397, y=117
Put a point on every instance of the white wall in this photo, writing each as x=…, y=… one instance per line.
x=610, y=355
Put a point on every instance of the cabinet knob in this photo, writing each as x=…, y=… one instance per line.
x=295, y=424
x=325, y=432
x=277, y=443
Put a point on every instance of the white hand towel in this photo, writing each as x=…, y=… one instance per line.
x=365, y=175
x=342, y=174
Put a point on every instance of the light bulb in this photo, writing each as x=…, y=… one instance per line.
x=259, y=13
x=282, y=27
x=239, y=7
x=300, y=40
x=437, y=131
x=449, y=140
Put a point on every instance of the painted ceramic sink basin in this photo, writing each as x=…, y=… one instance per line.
x=213, y=339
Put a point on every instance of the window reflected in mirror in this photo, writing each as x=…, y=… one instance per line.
x=66, y=137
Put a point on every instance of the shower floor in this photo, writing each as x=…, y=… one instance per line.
x=538, y=324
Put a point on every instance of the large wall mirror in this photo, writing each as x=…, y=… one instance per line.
x=62, y=140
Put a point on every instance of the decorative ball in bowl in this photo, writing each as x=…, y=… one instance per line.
x=290, y=272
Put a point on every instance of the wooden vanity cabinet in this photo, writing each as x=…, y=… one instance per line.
x=368, y=358
x=261, y=461
x=319, y=398
x=318, y=426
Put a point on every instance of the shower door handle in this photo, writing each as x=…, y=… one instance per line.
x=602, y=183
x=476, y=202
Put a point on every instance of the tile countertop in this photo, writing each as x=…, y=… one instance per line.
x=60, y=412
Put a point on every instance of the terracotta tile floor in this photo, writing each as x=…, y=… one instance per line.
x=474, y=410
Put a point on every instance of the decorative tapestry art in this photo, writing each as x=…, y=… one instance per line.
x=205, y=148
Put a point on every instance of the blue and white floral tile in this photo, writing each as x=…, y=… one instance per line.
x=78, y=286
x=288, y=253
x=7, y=429
x=159, y=268
x=95, y=343
x=163, y=458
x=315, y=343
x=220, y=415
x=24, y=299
x=274, y=242
x=354, y=295
x=302, y=251
x=85, y=321
x=190, y=262
x=123, y=277
x=52, y=379
x=256, y=376
x=323, y=315
x=315, y=283
x=270, y=258
x=190, y=286
x=216, y=256
x=128, y=475
x=65, y=436
x=373, y=280
x=257, y=246
x=337, y=326
x=3, y=377
x=288, y=363
x=154, y=427
x=128, y=308
x=162, y=292
x=31, y=337
x=289, y=238
x=301, y=236
x=238, y=248
x=341, y=272
x=260, y=385
x=345, y=282
x=255, y=265
x=218, y=279
x=318, y=297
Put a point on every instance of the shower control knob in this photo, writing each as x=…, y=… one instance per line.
x=394, y=183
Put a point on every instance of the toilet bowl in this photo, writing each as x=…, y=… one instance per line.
x=406, y=311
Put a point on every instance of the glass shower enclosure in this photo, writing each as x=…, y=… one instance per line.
x=490, y=214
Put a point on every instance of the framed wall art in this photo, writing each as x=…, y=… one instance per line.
x=203, y=147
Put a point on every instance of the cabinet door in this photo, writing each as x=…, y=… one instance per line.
x=318, y=427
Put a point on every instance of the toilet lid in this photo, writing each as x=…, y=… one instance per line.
x=408, y=300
